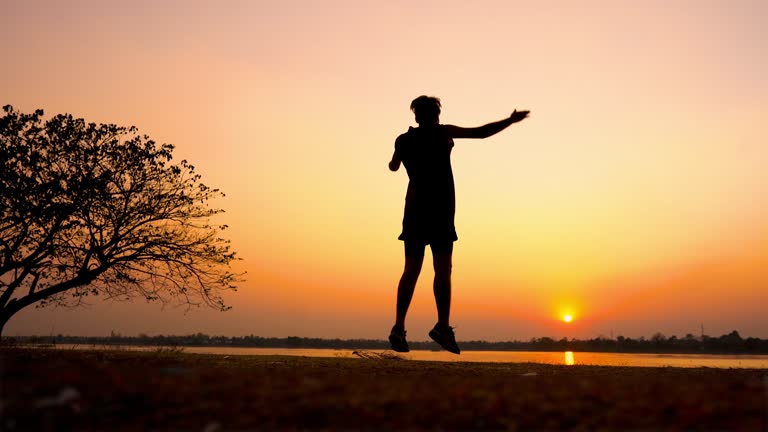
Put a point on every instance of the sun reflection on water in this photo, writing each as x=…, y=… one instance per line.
x=569, y=360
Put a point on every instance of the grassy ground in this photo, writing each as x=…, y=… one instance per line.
x=46, y=389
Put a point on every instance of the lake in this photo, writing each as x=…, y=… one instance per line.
x=563, y=358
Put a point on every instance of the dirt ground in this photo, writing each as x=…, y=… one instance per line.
x=47, y=389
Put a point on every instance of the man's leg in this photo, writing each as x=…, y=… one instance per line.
x=407, y=285
x=442, y=260
x=442, y=288
x=442, y=333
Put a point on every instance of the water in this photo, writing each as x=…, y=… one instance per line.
x=555, y=358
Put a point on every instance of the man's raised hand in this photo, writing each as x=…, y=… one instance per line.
x=519, y=115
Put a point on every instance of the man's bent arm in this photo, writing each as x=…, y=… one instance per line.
x=394, y=164
x=486, y=130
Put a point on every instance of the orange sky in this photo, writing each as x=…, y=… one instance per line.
x=634, y=197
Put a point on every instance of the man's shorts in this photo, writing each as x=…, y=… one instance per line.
x=438, y=248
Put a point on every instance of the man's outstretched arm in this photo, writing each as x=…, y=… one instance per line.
x=486, y=130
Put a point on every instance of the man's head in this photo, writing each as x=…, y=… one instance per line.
x=427, y=110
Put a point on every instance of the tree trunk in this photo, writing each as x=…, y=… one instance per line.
x=17, y=304
x=4, y=317
x=8, y=311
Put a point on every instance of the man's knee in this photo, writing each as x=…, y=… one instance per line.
x=411, y=273
x=412, y=267
x=443, y=265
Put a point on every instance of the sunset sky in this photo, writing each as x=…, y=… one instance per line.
x=635, y=197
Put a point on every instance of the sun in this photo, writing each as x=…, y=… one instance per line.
x=567, y=318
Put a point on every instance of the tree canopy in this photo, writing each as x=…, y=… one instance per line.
x=99, y=209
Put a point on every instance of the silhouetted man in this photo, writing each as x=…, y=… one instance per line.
x=430, y=206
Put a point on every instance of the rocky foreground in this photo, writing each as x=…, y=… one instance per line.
x=54, y=389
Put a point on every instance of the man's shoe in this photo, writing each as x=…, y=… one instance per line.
x=443, y=335
x=397, y=340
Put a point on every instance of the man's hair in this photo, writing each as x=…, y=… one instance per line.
x=426, y=108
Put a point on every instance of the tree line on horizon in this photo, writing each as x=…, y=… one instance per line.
x=731, y=343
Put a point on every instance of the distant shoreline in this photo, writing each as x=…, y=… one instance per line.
x=729, y=344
